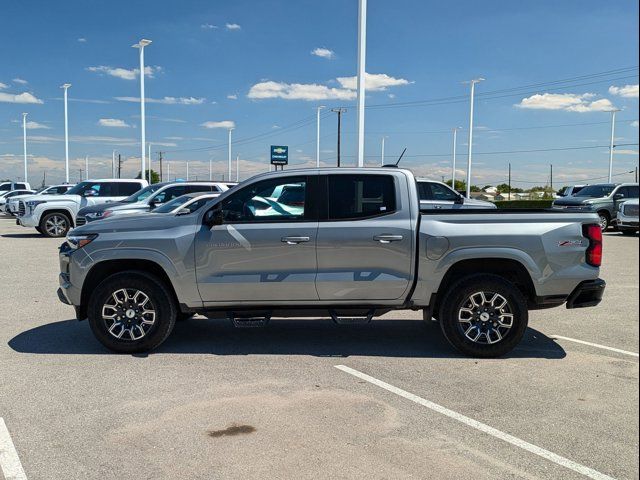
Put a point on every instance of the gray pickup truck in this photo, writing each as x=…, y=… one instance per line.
x=345, y=243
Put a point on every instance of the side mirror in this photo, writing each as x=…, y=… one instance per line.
x=90, y=193
x=618, y=196
x=459, y=200
x=183, y=211
x=213, y=217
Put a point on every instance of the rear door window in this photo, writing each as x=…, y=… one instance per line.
x=124, y=189
x=440, y=192
x=360, y=196
x=199, y=188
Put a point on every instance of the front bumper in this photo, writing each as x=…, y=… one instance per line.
x=28, y=221
x=587, y=294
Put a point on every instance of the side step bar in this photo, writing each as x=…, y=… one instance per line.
x=249, y=321
x=351, y=319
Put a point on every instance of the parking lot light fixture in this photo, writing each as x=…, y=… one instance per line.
x=140, y=46
x=66, y=133
x=473, y=88
x=361, y=74
x=229, y=177
x=24, y=144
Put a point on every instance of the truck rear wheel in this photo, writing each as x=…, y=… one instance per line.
x=55, y=224
x=605, y=220
x=484, y=316
x=131, y=312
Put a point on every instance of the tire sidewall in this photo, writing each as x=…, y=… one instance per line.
x=454, y=299
x=160, y=297
x=43, y=224
x=604, y=216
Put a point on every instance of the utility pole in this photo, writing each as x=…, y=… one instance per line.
x=473, y=88
x=360, y=83
x=339, y=111
x=119, y=165
x=613, y=129
x=551, y=177
x=318, y=135
x=509, y=180
x=160, y=161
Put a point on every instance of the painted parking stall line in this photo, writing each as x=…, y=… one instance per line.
x=470, y=422
x=596, y=345
x=9, y=460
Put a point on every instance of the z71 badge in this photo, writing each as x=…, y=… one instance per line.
x=570, y=243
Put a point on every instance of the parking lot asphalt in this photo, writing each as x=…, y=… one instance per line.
x=216, y=402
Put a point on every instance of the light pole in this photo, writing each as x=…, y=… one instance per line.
x=362, y=51
x=66, y=133
x=613, y=131
x=229, y=177
x=453, y=167
x=318, y=135
x=237, y=168
x=140, y=46
x=473, y=88
x=149, y=157
x=382, y=152
x=24, y=141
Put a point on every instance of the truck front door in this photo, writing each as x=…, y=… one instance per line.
x=265, y=250
x=365, y=238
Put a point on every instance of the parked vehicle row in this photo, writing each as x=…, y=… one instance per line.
x=628, y=217
x=604, y=199
x=14, y=202
x=338, y=242
x=8, y=195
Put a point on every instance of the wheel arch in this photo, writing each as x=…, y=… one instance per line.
x=65, y=211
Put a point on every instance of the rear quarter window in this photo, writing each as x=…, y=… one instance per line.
x=124, y=189
x=360, y=196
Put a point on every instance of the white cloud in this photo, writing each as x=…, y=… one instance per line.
x=232, y=97
x=373, y=82
x=569, y=102
x=20, y=81
x=232, y=26
x=634, y=123
x=208, y=26
x=37, y=126
x=626, y=152
x=628, y=91
x=124, y=73
x=323, y=53
x=3, y=85
x=113, y=123
x=223, y=124
x=298, y=91
x=166, y=100
x=82, y=40
x=25, y=97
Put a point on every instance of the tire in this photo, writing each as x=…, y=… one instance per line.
x=55, y=225
x=491, y=339
x=135, y=332
x=605, y=220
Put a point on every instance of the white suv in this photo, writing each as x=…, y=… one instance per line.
x=56, y=214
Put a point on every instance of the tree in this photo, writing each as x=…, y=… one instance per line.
x=461, y=186
x=475, y=188
x=152, y=175
x=504, y=188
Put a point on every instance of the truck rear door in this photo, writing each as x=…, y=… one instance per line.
x=365, y=238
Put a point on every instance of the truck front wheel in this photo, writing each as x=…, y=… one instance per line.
x=131, y=312
x=484, y=316
x=55, y=224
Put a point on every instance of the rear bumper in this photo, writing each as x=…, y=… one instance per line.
x=587, y=294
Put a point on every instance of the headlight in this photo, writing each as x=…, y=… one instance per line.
x=79, y=241
x=35, y=203
x=94, y=215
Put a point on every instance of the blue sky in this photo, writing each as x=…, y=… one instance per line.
x=266, y=66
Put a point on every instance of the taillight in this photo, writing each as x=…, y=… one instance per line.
x=594, y=250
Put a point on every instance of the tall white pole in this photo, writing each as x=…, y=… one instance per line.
x=140, y=45
x=318, y=136
x=229, y=177
x=382, y=153
x=149, y=158
x=237, y=168
x=66, y=134
x=453, y=167
x=362, y=50
x=86, y=167
x=613, y=130
x=24, y=141
x=473, y=88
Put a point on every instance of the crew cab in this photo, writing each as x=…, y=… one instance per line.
x=147, y=199
x=54, y=215
x=356, y=247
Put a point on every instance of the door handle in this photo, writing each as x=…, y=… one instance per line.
x=388, y=238
x=294, y=240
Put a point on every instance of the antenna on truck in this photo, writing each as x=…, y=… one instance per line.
x=395, y=165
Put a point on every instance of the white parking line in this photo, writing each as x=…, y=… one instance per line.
x=604, y=347
x=562, y=461
x=9, y=461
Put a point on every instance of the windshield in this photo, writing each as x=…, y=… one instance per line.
x=41, y=189
x=595, y=191
x=142, y=194
x=173, y=204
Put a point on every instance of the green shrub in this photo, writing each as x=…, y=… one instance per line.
x=524, y=204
